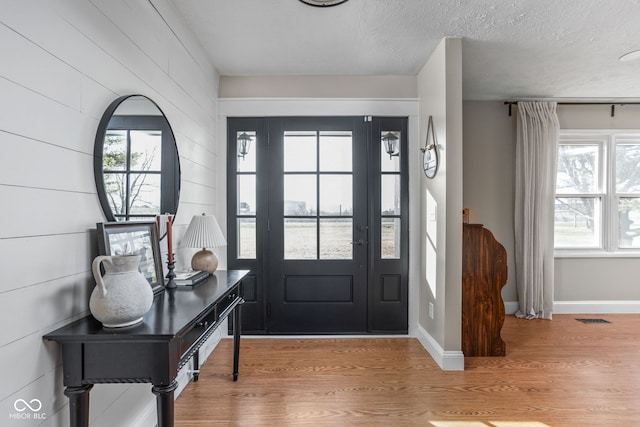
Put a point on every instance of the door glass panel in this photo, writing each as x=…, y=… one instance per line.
x=246, y=195
x=335, y=151
x=300, y=195
x=390, y=194
x=335, y=238
x=300, y=153
x=144, y=193
x=246, y=238
x=390, y=238
x=336, y=195
x=146, y=150
x=300, y=238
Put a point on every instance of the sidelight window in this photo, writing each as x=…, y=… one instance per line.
x=246, y=194
x=390, y=196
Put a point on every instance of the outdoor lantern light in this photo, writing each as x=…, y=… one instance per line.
x=390, y=140
x=244, y=142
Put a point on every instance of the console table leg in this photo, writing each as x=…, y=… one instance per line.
x=196, y=365
x=78, y=405
x=164, y=403
x=236, y=339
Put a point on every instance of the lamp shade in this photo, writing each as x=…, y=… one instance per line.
x=203, y=232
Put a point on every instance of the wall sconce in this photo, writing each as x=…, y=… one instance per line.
x=244, y=142
x=390, y=140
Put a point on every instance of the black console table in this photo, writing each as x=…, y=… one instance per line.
x=178, y=323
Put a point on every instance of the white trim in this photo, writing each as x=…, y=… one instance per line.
x=389, y=107
x=600, y=307
x=511, y=307
x=447, y=360
x=581, y=307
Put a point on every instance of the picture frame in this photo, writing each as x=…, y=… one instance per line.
x=134, y=237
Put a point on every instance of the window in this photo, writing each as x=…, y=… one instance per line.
x=246, y=194
x=390, y=196
x=597, y=206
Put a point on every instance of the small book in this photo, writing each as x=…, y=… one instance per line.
x=190, y=278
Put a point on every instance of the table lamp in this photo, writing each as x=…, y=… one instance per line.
x=203, y=232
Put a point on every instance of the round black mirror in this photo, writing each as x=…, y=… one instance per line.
x=136, y=164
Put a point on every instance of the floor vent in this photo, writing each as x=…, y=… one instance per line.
x=593, y=321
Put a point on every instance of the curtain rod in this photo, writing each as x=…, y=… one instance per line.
x=612, y=103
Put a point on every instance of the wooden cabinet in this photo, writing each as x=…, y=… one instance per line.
x=484, y=274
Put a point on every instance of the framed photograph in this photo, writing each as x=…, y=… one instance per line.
x=136, y=238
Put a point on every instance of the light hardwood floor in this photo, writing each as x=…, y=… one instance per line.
x=556, y=373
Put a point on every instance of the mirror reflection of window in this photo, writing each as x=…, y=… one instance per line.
x=139, y=174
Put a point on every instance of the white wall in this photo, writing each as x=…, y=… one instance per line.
x=318, y=87
x=63, y=62
x=581, y=284
x=440, y=96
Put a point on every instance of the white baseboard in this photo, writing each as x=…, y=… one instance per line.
x=582, y=307
x=599, y=307
x=447, y=360
x=511, y=307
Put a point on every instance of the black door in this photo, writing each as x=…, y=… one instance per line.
x=318, y=212
x=318, y=226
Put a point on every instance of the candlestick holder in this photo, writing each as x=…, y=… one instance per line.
x=171, y=275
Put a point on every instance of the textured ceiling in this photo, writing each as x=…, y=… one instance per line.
x=511, y=49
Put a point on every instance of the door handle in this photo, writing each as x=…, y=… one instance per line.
x=359, y=242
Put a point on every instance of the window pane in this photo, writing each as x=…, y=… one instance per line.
x=146, y=150
x=144, y=193
x=627, y=170
x=300, y=152
x=336, y=195
x=335, y=238
x=390, y=194
x=246, y=151
x=390, y=238
x=577, y=169
x=300, y=195
x=114, y=157
x=246, y=195
x=246, y=238
x=629, y=221
x=335, y=152
x=389, y=163
x=577, y=222
x=300, y=238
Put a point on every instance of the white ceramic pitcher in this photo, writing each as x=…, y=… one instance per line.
x=122, y=296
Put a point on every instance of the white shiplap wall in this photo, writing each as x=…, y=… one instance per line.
x=63, y=62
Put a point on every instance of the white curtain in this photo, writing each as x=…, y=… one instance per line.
x=536, y=161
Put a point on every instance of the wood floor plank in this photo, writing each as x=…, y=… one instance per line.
x=556, y=373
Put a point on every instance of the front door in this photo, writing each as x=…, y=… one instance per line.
x=318, y=226
x=318, y=213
